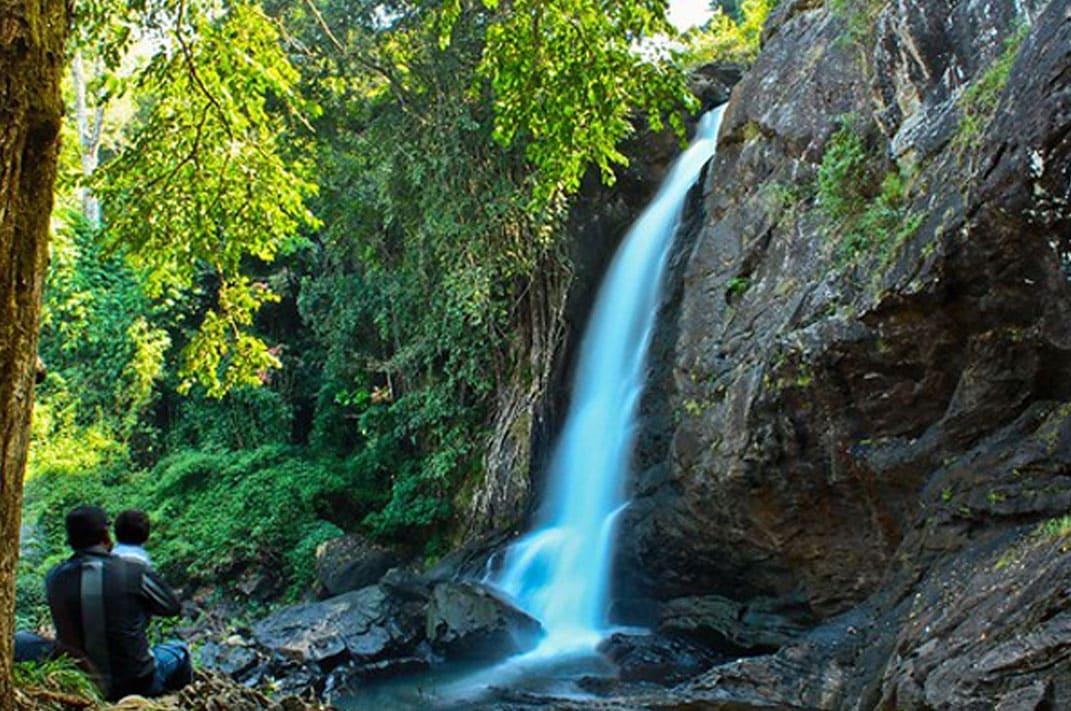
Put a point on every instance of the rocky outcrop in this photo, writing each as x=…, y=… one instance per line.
x=860, y=432
x=755, y=626
x=655, y=658
x=466, y=621
x=364, y=625
x=352, y=562
x=403, y=624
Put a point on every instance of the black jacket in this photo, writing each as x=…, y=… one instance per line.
x=101, y=605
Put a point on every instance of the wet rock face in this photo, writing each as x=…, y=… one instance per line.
x=834, y=431
x=466, y=621
x=655, y=658
x=800, y=405
x=738, y=628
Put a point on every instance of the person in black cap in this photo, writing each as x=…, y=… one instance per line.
x=101, y=605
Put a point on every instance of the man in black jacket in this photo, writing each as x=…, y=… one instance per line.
x=101, y=605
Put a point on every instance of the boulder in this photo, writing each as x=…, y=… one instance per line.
x=233, y=660
x=352, y=562
x=364, y=625
x=467, y=621
x=656, y=658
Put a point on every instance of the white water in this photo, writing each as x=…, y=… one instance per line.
x=560, y=572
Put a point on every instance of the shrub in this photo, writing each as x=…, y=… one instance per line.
x=214, y=514
x=729, y=36
x=867, y=209
x=978, y=102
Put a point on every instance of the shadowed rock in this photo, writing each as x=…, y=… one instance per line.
x=467, y=621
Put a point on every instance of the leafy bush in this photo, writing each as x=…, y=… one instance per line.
x=867, y=209
x=246, y=418
x=729, y=36
x=979, y=100
x=214, y=514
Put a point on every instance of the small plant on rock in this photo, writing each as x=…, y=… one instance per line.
x=867, y=209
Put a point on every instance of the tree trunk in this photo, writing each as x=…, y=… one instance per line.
x=32, y=35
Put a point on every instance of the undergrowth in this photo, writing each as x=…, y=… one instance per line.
x=54, y=684
x=215, y=514
x=978, y=102
x=867, y=208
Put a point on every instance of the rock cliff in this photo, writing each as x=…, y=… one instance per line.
x=859, y=422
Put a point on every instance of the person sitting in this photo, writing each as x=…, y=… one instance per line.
x=101, y=605
x=31, y=647
x=131, y=533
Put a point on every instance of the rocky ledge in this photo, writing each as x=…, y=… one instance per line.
x=403, y=623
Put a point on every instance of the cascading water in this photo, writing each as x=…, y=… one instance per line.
x=560, y=572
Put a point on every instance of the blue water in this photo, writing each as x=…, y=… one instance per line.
x=560, y=572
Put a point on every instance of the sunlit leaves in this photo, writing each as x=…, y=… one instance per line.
x=207, y=175
x=729, y=37
x=224, y=355
x=568, y=78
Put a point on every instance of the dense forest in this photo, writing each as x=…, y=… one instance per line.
x=317, y=274
x=283, y=292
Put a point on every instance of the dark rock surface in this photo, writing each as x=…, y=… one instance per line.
x=656, y=658
x=352, y=562
x=862, y=441
x=467, y=621
x=758, y=625
x=364, y=625
x=402, y=625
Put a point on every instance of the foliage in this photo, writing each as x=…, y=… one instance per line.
x=867, y=209
x=978, y=102
x=443, y=173
x=728, y=36
x=437, y=220
x=1058, y=527
x=567, y=78
x=213, y=513
x=737, y=286
x=103, y=352
x=858, y=17
x=205, y=161
x=247, y=418
x=39, y=680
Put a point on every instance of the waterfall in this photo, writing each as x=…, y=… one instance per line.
x=560, y=572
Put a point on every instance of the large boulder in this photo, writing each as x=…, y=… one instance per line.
x=656, y=658
x=364, y=626
x=467, y=621
x=352, y=562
